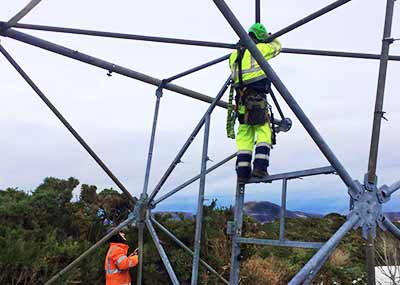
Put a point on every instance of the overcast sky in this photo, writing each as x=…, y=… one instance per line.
x=114, y=114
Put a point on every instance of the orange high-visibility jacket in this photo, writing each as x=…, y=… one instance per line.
x=117, y=264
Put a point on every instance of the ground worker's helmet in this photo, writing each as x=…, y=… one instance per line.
x=259, y=31
x=118, y=237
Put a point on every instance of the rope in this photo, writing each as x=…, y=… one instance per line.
x=231, y=118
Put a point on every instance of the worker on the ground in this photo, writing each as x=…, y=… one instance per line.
x=252, y=86
x=118, y=262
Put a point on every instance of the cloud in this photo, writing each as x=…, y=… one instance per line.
x=114, y=114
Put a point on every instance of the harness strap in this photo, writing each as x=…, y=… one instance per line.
x=240, y=52
x=276, y=104
x=273, y=135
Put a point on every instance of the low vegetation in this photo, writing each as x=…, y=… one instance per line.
x=41, y=232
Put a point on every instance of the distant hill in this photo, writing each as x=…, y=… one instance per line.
x=265, y=211
x=176, y=215
x=394, y=216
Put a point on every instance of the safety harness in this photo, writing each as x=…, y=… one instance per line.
x=258, y=111
x=232, y=113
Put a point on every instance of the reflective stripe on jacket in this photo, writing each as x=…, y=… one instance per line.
x=251, y=71
x=117, y=264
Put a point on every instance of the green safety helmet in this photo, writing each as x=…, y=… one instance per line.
x=259, y=31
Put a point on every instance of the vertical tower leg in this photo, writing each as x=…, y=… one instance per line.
x=283, y=211
x=146, y=183
x=258, y=11
x=200, y=204
x=370, y=259
x=238, y=220
x=378, y=115
x=140, y=246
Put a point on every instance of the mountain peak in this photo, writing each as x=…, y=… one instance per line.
x=265, y=211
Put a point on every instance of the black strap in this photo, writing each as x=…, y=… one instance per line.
x=276, y=103
x=240, y=52
x=272, y=119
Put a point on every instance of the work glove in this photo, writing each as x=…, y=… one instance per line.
x=136, y=252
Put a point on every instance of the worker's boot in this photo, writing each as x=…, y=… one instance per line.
x=261, y=160
x=259, y=173
x=242, y=180
x=243, y=166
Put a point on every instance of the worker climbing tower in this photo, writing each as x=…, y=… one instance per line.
x=366, y=196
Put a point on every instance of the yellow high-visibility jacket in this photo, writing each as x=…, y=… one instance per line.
x=251, y=71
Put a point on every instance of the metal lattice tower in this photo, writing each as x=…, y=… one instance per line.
x=366, y=198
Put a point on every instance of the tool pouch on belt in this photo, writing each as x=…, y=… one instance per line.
x=256, y=108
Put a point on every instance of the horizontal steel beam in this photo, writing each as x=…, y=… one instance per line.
x=187, y=249
x=391, y=227
x=310, y=277
x=309, y=18
x=162, y=252
x=199, y=43
x=200, y=67
x=14, y=20
x=124, y=36
x=285, y=243
x=190, y=181
x=109, y=66
x=294, y=174
x=356, y=55
x=62, y=119
x=392, y=188
x=327, y=249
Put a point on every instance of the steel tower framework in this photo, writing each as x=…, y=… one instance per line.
x=366, y=198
